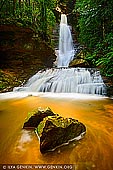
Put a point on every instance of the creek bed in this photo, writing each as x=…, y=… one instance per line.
x=20, y=146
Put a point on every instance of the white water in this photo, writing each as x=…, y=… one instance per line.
x=70, y=80
x=65, y=53
x=65, y=80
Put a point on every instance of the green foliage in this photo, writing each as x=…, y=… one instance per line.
x=107, y=64
x=7, y=80
x=45, y=18
x=95, y=22
x=105, y=60
x=37, y=14
x=102, y=56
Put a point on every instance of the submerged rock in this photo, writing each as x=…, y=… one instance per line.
x=55, y=131
x=36, y=116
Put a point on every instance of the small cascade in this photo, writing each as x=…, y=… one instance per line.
x=66, y=80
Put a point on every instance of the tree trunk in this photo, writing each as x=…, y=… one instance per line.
x=103, y=29
x=14, y=6
x=20, y=4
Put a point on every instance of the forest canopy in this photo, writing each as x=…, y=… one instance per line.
x=95, y=23
x=36, y=14
x=92, y=21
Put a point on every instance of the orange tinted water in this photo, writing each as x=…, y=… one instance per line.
x=93, y=152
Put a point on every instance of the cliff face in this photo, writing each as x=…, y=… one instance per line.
x=22, y=53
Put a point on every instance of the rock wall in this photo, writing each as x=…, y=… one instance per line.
x=22, y=52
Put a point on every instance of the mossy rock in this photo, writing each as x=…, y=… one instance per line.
x=78, y=63
x=55, y=131
x=36, y=116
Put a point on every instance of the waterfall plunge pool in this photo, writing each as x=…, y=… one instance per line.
x=20, y=146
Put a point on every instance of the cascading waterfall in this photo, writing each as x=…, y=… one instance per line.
x=65, y=80
x=65, y=53
x=70, y=80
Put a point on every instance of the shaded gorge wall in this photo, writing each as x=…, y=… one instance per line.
x=23, y=53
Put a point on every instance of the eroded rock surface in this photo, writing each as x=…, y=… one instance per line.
x=36, y=116
x=55, y=131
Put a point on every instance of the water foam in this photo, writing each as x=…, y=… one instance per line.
x=70, y=80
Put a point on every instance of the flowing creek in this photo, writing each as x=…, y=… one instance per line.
x=93, y=152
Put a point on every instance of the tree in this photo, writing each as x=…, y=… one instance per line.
x=95, y=22
x=37, y=14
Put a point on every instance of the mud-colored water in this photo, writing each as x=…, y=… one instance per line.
x=93, y=152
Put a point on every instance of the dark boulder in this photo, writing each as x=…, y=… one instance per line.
x=36, y=116
x=55, y=131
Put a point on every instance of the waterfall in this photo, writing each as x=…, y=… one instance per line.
x=63, y=79
x=70, y=80
x=65, y=53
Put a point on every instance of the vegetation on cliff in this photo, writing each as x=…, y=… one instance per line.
x=35, y=14
x=95, y=22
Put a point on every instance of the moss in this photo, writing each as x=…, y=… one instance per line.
x=54, y=121
x=35, y=117
x=7, y=80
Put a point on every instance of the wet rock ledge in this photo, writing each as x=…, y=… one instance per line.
x=53, y=130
